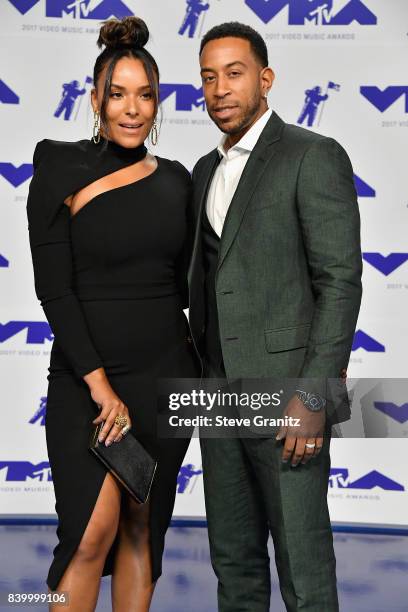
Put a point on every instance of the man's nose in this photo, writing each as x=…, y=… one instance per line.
x=221, y=88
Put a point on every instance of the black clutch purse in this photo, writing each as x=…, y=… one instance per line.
x=129, y=462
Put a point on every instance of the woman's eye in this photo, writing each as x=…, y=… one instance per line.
x=115, y=94
x=147, y=96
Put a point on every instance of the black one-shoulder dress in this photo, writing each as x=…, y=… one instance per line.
x=112, y=282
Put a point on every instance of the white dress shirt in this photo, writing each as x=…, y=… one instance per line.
x=228, y=172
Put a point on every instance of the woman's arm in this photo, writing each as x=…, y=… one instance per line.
x=51, y=253
x=50, y=244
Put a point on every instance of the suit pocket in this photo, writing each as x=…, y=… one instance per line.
x=287, y=338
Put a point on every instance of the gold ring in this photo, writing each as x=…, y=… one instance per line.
x=121, y=420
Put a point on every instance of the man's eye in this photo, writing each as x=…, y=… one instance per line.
x=234, y=73
x=208, y=79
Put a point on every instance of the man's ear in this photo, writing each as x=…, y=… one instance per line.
x=267, y=78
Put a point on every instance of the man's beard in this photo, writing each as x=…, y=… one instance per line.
x=246, y=119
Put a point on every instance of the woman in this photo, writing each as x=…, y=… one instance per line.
x=108, y=234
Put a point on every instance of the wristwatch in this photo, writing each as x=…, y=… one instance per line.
x=312, y=401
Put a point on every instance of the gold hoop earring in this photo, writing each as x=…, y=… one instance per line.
x=96, y=132
x=154, y=137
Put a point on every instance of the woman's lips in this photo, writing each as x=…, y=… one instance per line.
x=130, y=128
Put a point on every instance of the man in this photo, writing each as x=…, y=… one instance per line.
x=274, y=291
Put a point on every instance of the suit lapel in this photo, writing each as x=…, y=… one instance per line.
x=262, y=153
x=202, y=185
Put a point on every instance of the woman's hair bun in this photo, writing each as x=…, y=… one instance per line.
x=126, y=32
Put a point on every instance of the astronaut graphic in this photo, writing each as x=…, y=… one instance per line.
x=70, y=92
x=185, y=474
x=192, y=16
x=40, y=412
x=313, y=100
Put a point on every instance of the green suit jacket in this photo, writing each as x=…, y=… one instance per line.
x=288, y=282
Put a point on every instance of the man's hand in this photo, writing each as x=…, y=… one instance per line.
x=309, y=431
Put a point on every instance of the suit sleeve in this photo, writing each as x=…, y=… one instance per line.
x=330, y=222
x=50, y=245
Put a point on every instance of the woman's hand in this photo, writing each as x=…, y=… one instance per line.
x=110, y=405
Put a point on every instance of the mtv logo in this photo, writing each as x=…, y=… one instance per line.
x=339, y=479
x=7, y=95
x=4, y=263
x=398, y=413
x=366, y=342
x=21, y=471
x=383, y=99
x=386, y=264
x=39, y=414
x=37, y=331
x=320, y=12
x=187, y=96
x=363, y=189
x=78, y=9
x=16, y=175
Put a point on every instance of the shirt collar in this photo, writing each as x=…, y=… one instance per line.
x=248, y=141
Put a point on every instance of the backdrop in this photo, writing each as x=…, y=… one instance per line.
x=340, y=70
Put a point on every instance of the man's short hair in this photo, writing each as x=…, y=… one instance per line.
x=239, y=30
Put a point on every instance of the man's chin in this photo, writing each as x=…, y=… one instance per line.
x=227, y=127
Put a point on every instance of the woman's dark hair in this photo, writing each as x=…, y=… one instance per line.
x=239, y=30
x=125, y=37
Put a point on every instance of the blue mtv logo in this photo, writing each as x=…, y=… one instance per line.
x=187, y=96
x=364, y=190
x=319, y=12
x=21, y=471
x=78, y=9
x=366, y=342
x=39, y=414
x=398, y=413
x=386, y=264
x=16, y=175
x=4, y=263
x=187, y=478
x=7, y=95
x=37, y=331
x=340, y=479
x=382, y=99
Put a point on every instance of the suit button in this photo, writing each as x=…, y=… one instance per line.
x=203, y=329
x=189, y=339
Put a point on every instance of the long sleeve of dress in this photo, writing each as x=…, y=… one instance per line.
x=49, y=233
